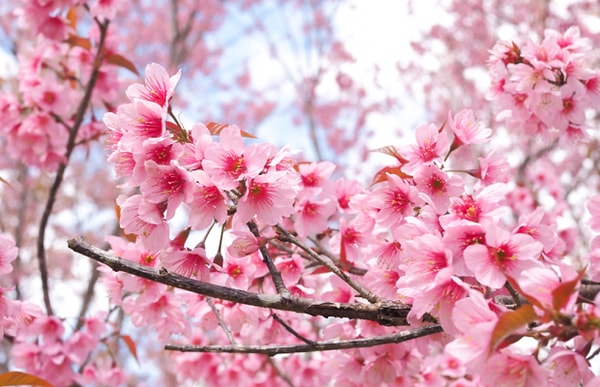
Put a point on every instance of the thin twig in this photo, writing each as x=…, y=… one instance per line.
x=273, y=270
x=513, y=294
x=286, y=236
x=280, y=373
x=292, y=330
x=52, y=194
x=220, y=320
x=273, y=350
x=335, y=259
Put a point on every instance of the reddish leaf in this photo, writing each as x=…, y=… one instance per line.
x=74, y=40
x=120, y=60
x=381, y=175
x=562, y=293
x=15, y=378
x=216, y=128
x=391, y=151
x=131, y=345
x=72, y=17
x=321, y=270
x=511, y=321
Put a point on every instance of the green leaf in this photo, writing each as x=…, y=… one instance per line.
x=511, y=321
x=16, y=378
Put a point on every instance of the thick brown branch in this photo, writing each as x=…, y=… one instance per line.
x=272, y=350
x=386, y=313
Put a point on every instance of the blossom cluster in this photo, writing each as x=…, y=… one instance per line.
x=545, y=88
x=440, y=239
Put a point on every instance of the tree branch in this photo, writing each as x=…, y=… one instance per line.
x=388, y=313
x=78, y=120
x=273, y=350
x=286, y=236
x=275, y=273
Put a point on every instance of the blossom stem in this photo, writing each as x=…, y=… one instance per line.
x=292, y=330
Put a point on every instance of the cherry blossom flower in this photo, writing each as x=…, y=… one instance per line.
x=158, y=87
x=8, y=253
x=513, y=370
x=493, y=169
x=188, y=263
x=466, y=130
x=229, y=161
x=476, y=320
x=315, y=176
x=594, y=209
x=144, y=219
x=504, y=254
x=393, y=200
x=345, y=190
x=160, y=311
x=243, y=244
x=269, y=197
x=484, y=206
x=207, y=203
x=568, y=368
x=166, y=183
x=438, y=187
x=143, y=119
x=431, y=146
x=311, y=216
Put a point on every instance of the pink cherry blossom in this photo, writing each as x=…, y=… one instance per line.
x=513, y=370
x=207, y=203
x=145, y=219
x=504, y=254
x=243, y=244
x=189, y=263
x=474, y=317
x=158, y=87
x=269, y=197
x=493, y=168
x=315, y=176
x=8, y=253
x=166, y=183
x=594, y=209
x=431, y=146
x=311, y=216
x=393, y=200
x=229, y=161
x=466, y=130
x=438, y=187
x=568, y=368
